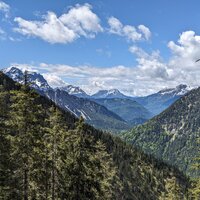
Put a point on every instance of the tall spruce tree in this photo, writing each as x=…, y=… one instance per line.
x=55, y=153
x=25, y=118
x=5, y=164
x=90, y=167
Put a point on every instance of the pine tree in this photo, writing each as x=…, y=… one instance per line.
x=55, y=150
x=90, y=167
x=25, y=122
x=5, y=165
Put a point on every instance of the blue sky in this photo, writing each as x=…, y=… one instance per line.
x=138, y=46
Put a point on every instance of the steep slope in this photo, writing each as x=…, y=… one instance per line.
x=114, y=93
x=76, y=91
x=95, y=114
x=138, y=176
x=161, y=100
x=35, y=79
x=173, y=135
x=129, y=110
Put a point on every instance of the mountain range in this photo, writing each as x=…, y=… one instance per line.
x=109, y=94
x=74, y=90
x=106, y=109
x=158, y=102
x=128, y=109
x=66, y=156
x=94, y=114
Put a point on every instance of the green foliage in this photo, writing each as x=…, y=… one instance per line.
x=128, y=109
x=173, y=134
x=47, y=154
x=195, y=190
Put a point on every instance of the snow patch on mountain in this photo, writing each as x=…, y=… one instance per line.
x=113, y=93
x=35, y=79
x=74, y=90
x=180, y=90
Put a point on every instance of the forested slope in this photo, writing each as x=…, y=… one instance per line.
x=173, y=135
x=46, y=153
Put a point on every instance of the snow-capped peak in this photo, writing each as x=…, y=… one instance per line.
x=36, y=80
x=179, y=90
x=113, y=93
x=74, y=90
x=14, y=73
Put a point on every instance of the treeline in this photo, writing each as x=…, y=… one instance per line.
x=48, y=154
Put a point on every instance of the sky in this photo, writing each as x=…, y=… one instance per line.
x=136, y=46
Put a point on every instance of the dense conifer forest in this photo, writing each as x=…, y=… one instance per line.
x=173, y=135
x=46, y=153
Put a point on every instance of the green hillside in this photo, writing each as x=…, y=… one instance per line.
x=128, y=109
x=173, y=135
x=46, y=153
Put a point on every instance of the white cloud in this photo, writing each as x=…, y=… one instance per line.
x=145, y=30
x=130, y=32
x=150, y=75
x=27, y=67
x=186, y=51
x=131, y=80
x=2, y=34
x=150, y=64
x=116, y=27
x=78, y=21
x=54, y=81
x=5, y=8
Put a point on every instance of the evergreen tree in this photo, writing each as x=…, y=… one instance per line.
x=55, y=153
x=25, y=122
x=90, y=167
x=40, y=158
x=173, y=191
x=5, y=165
x=195, y=190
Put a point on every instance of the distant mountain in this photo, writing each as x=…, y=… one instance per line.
x=158, y=102
x=174, y=134
x=114, y=93
x=128, y=109
x=94, y=114
x=76, y=91
x=35, y=79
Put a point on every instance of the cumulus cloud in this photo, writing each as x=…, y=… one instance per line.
x=5, y=8
x=130, y=32
x=186, y=51
x=150, y=75
x=25, y=67
x=150, y=64
x=143, y=29
x=130, y=80
x=78, y=21
x=54, y=81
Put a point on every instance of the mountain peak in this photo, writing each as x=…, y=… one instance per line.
x=37, y=80
x=74, y=90
x=113, y=93
x=179, y=90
